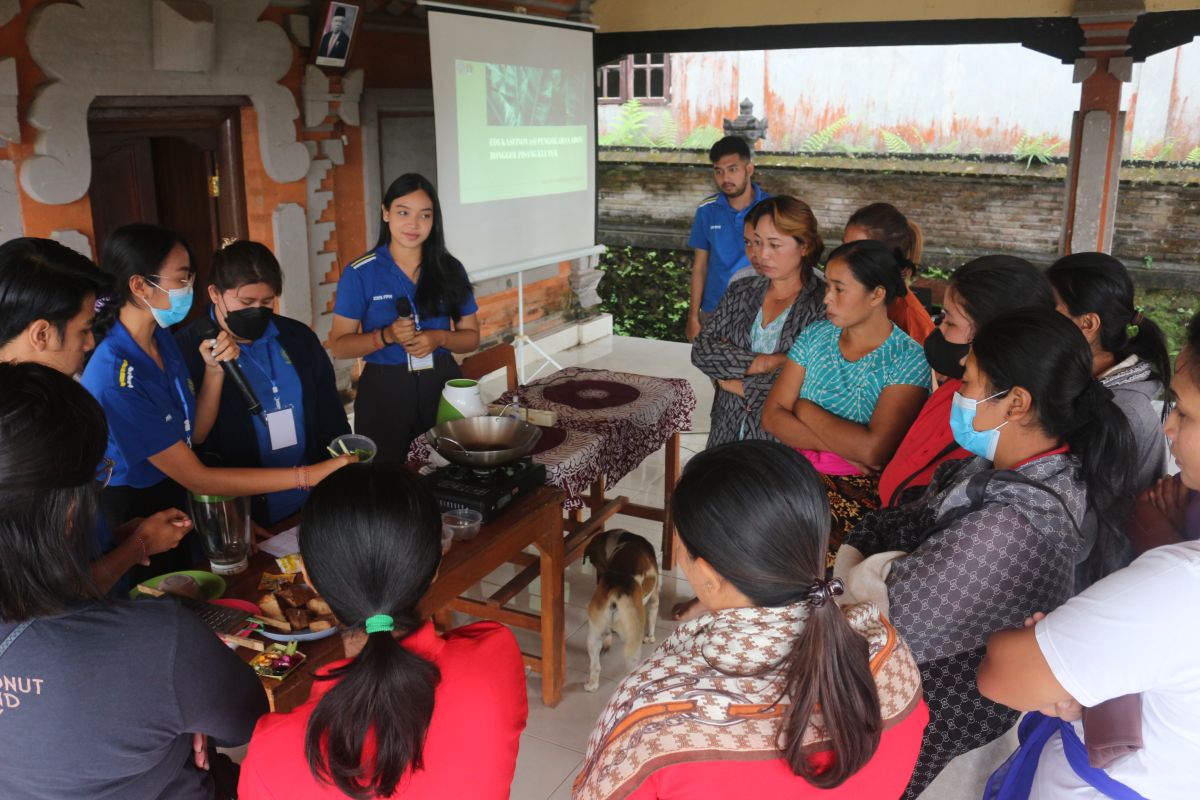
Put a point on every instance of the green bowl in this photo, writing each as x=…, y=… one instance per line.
x=211, y=586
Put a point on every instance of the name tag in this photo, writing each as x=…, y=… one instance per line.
x=418, y=364
x=281, y=425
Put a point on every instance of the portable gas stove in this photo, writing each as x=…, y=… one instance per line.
x=487, y=491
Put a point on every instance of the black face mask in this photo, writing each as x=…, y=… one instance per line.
x=249, y=323
x=944, y=357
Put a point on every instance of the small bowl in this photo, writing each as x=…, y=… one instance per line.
x=355, y=442
x=462, y=524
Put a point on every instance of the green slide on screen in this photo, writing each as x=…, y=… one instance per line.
x=521, y=132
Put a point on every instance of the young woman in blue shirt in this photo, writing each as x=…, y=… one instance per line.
x=139, y=376
x=404, y=308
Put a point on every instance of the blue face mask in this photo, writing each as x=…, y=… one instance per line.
x=181, y=304
x=962, y=425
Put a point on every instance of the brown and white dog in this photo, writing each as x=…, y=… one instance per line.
x=626, y=597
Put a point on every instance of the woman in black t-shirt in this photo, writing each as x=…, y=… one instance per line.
x=97, y=699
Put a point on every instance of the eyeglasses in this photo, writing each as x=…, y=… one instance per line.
x=104, y=473
x=184, y=283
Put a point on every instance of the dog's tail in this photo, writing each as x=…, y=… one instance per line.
x=628, y=619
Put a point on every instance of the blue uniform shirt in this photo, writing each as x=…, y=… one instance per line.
x=718, y=228
x=368, y=291
x=148, y=409
x=276, y=384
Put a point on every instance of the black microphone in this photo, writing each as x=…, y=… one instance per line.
x=208, y=329
x=404, y=308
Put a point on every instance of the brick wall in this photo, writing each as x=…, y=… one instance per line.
x=965, y=207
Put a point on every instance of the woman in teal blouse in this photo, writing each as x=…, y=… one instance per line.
x=852, y=383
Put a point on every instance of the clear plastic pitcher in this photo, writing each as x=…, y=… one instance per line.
x=224, y=527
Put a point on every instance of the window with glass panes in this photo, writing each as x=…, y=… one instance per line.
x=645, y=77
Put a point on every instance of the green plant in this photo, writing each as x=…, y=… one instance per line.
x=702, y=137
x=894, y=142
x=935, y=273
x=1148, y=262
x=1040, y=149
x=1171, y=309
x=648, y=292
x=668, y=130
x=820, y=141
x=1193, y=157
x=630, y=127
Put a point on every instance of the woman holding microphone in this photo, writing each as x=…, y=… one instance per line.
x=404, y=308
x=138, y=375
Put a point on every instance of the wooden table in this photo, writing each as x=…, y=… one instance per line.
x=532, y=520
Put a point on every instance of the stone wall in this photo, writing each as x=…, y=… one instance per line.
x=966, y=207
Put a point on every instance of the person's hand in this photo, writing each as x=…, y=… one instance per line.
x=162, y=531
x=200, y=750
x=400, y=331
x=766, y=363
x=222, y=348
x=733, y=386
x=424, y=343
x=693, y=327
x=870, y=470
x=1171, y=497
x=321, y=471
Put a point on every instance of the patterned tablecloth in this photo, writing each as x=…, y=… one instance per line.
x=608, y=423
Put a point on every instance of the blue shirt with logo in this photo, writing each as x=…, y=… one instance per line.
x=276, y=384
x=368, y=291
x=718, y=228
x=148, y=409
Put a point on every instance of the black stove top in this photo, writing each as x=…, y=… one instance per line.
x=487, y=491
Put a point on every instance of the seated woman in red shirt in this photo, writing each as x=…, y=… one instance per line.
x=979, y=291
x=410, y=713
x=776, y=691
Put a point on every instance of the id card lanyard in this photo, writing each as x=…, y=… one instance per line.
x=281, y=422
x=417, y=364
x=187, y=414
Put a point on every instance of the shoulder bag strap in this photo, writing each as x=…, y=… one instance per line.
x=12, y=637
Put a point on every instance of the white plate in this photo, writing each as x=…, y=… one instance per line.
x=297, y=636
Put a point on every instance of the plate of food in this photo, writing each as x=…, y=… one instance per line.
x=299, y=614
x=193, y=583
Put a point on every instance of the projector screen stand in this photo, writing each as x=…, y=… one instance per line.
x=522, y=340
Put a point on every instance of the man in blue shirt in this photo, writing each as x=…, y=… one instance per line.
x=717, y=228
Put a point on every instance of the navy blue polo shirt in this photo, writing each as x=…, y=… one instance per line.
x=368, y=291
x=718, y=228
x=148, y=409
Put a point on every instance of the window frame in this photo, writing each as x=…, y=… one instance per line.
x=627, y=71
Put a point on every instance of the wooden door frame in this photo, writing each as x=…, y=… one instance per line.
x=175, y=116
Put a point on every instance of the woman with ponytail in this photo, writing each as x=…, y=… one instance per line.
x=1129, y=351
x=776, y=691
x=410, y=713
x=997, y=535
x=883, y=222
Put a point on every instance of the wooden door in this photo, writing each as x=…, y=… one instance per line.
x=170, y=161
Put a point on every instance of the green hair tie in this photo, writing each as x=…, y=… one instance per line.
x=380, y=623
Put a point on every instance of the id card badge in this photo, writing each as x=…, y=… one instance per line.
x=418, y=364
x=281, y=425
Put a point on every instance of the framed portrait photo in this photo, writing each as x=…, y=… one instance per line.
x=336, y=31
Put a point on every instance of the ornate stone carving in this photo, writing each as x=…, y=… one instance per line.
x=118, y=38
x=317, y=96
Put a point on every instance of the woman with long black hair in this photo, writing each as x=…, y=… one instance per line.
x=997, y=535
x=776, y=691
x=102, y=698
x=410, y=713
x=404, y=308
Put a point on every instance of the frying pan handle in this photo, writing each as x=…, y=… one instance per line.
x=442, y=439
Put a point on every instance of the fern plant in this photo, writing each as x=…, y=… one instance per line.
x=894, y=142
x=702, y=137
x=630, y=127
x=1040, y=149
x=1193, y=156
x=820, y=141
x=668, y=131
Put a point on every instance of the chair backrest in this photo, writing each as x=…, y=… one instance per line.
x=487, y=361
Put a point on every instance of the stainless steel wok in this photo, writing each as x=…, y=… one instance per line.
x=483, y=441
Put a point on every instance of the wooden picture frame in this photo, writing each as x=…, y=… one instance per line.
x=335, y=34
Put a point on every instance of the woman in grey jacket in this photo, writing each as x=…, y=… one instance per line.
x=994, y=537
x=746, y=342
